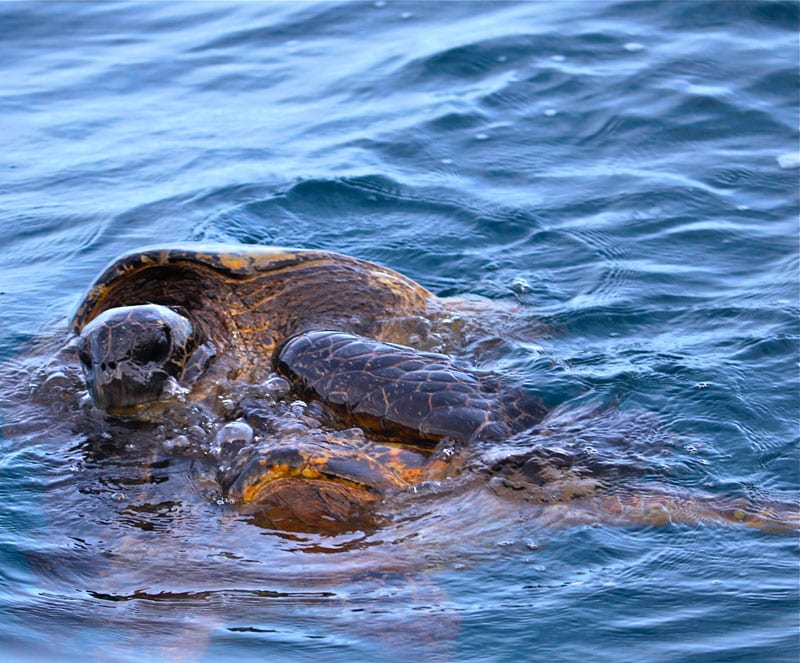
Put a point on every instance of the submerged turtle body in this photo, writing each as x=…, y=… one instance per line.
x=203, y=319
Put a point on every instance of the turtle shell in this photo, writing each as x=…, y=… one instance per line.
x=327, y=480
x=246, y=300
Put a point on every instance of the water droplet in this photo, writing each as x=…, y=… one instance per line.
x=558, y=58
x=550, y=112
x=447, y=162
x=406, y=15
x=789, y=160
x=481, y=136
x=633, y=47
x=230, y=439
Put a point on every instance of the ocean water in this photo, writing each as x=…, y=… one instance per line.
x=626, y=173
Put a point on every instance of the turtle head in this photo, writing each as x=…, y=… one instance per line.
x=130, y=353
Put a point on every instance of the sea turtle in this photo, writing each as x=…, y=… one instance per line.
x=193, y=322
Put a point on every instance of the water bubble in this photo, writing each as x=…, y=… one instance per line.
x=520, y=285
x=379, y=3
x=298, y=408
x=506, y=543
x=276, y=387
x=481, y=136
x=633, y=47
x=173, y=390
x=789, y=160
x=447, y=161
x=406, y=15
x=702, y=385
x=119, y=497
x=230, y=439
x=532, y=545
x=558, y=58
x=177, y=444
x=502, y=58
x=550, y=112
x=56, y=380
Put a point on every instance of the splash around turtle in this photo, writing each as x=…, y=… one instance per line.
x=369, y=405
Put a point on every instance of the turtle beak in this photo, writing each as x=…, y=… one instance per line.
x=122, y=387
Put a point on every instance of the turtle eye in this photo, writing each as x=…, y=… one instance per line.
x=154, y=347
x=84, y=356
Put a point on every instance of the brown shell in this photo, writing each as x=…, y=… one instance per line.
x=327, y=481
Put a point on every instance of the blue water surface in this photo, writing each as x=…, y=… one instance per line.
x=625, y=171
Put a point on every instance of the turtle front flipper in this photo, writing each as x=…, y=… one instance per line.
x=398, y=391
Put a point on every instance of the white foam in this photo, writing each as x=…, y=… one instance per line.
x=789, y=160
x=633, y=47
